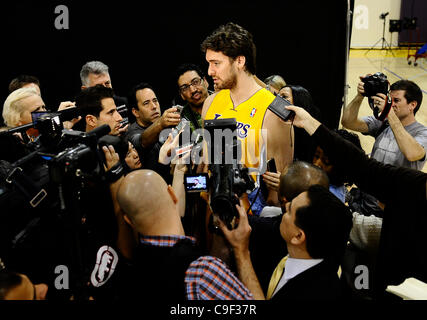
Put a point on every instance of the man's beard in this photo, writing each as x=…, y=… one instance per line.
x=228, y=83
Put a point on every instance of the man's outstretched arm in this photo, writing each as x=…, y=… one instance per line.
x=239, y=240
x=382, y=181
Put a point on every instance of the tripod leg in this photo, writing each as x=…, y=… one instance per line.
x=388, y=46
x=373, y=45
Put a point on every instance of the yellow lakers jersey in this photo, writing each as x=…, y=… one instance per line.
x=249, y=116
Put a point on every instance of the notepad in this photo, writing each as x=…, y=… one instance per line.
x=410, y=289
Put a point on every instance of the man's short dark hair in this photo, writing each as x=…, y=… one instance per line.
x=299, y=176
x=412, y=92
x=8, y=281
x=185, y=67
x=233, y=41
x=326, y=222
x=339, y=177
x=132, y=102
x=349, y=136
x=21, y=81
x=89, y=101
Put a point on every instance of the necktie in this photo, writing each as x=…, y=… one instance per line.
x=275, y=278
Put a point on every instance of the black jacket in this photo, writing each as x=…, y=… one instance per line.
x=320, y=282
x=402, y=250
x=159, y=272
x=267, y=247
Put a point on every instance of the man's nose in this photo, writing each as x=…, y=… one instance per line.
x=118, y=117
x=210, y=71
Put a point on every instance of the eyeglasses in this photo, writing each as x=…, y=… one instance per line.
x=195, y=82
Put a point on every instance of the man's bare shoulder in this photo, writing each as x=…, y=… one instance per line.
x=207, y=104
x=272, y=121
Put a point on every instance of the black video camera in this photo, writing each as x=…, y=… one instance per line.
x=228, y=177
x=78, y=157
x=68, y=154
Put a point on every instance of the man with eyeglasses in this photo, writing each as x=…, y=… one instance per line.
x=193, y=89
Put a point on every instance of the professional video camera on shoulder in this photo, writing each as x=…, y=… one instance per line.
x=374, y=84
x=228, y=177
x=68, y=153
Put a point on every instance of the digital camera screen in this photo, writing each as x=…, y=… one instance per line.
x=36, y=115
x=196, y=183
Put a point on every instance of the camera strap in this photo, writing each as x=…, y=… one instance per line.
x=114, y=173
x=27, y=186
x=380, y=116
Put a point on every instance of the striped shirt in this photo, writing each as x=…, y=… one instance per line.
x=207, y=278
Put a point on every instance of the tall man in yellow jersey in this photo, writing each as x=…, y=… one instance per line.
x=230, y=52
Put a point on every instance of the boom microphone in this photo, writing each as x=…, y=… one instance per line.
x=69, y=114
x=64, y=115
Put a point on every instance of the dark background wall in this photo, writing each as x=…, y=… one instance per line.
x=304, y=41
x=410, y=9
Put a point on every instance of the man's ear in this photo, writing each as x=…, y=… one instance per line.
x=127, y=219
x=172, y=194
x=282, y=200
x=299, y=238
x=83, y=87
x=413, y=105
x=91, y=120
x=135, y=113
x=241, y=60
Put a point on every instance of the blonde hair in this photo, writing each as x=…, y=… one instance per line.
x=275, y=81
x=13, y=106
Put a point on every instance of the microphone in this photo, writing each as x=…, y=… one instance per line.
x=69, y=114
x=64, y=115
x=100, y=131
x=383, y=15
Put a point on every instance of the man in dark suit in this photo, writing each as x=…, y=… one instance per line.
x=316, y=227
x=266, y=245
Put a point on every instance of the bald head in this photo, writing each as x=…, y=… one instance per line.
x=299, y=177
x=146, y=199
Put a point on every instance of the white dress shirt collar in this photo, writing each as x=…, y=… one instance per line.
x=293, y=268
